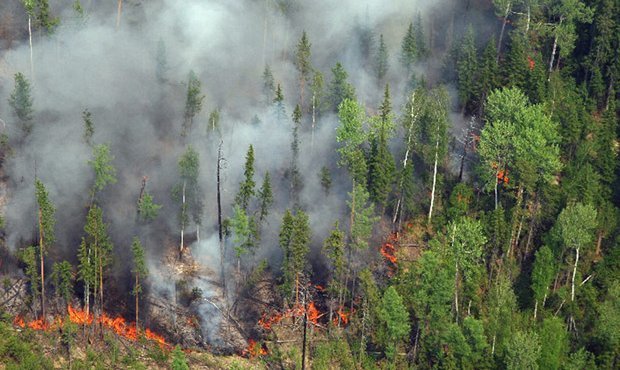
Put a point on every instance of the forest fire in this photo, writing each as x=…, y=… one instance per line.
x=313, y=314
x=342, y=315
x=254, y=349
x=117, y=324
x=388, y=251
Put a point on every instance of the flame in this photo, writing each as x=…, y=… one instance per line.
x=78, y=316
x=267, y=322
x=388, y=251
x=19, y=321
x=319, y=287
x=502, y=175
x=343, y=315
x=531, y=63
x=254, y=349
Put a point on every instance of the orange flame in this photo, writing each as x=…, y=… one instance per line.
x=19, y=321
x=531, y=63
x=79, y=317
x=39, y=324
x=254, y=349
x=343, y=315
x=266, y=322
x=388, y=251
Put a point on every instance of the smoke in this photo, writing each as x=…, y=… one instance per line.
x=112, y=73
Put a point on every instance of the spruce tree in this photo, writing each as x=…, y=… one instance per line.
x=381, y=60
x=46, y=211
x=303, y=64
x=193, y=103
x=408, y=49
x=139, y=270
x=21, y=102
x=269, y=87
x=339, y=88
x=246, y=187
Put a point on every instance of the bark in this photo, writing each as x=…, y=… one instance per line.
x=495, y=190
x=30, y=43
x=501, y=34
x=41, y=252
x=554, y=49
x=535, y=308
x=137, y=305
x=430, y=210
x=182, y=220
x=572, y=289
x=219, y=213
x=303, y=349
x=119, y=11
x=313, y=121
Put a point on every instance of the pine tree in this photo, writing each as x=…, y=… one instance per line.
x=269, y=87
x=265, y=198
x=352, y=135
x=193, y=103
x=466, y=67
x=325, y=178
x=381, y=167
x=29, y=258
x=334, y=249
x=394, y=321
x=21, y=102
x=420, y=39
x=409, y=52
x=62, y=279
x=47, y=237
x=303, y=64
x=278, y=104
x=488, y=73
x=246, y=187
x=98, y=249
x=381, y=60
x=139, y=270
x=188, y=192
x=89, y=127
x=242, y=233
x=339, y=88
x=105, y=172
x=295, y=175
x=147, y=208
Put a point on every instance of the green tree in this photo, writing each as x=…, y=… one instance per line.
x=420, y=38
x=62, y=279
x=98, y=250
x=351, y=135
x=303, y=64
x=294, y=173
x=488, y=73
x=214, y=122
x=334, y=249
x=89, y=127
x=105, y=172
x=566, y=13
x=193, y=103
x=318, y=104
x=161, y=62
x=139, y=270
x=523, y=351
x=269, y=87
x=554, y=343
x=21, y=102
x=86, y=271
x=47, y=237
x=543, y=273
x=246, y=187
x=394, y=320
x=265, y=198
x=29, y=258
x=339, y=88
x=188, y=191
x=408, y=49
x=467, y=67
x=381, y=166
x=147, y=208
x=362, y=216
x=242, y=234
x=325, y=178
x=278, y=104
x=44, y=19
x=381, y=60
x=575, y=225
x=295, y=244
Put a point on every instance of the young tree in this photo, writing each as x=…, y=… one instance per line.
x=317, y=101
x=295, y=175
x=381, y=167
x=188, y=190
x=278, y=104
x=381, y=60
x=303, y=64
x=467, y=68
x=295, y=243
x=542, y=275
x=242, y=232
x=147, y=208
x=105, y=172
x=247, y=186
x=43, y=18
x=576, y=224
x=269, y=87
x=408, y=49
x=193, y=103
x=420, y=38
x=522, y=351
x=334, y=249
x=325, y=178
x=139, y=270
x=265, y=198
x=29, y=257
x=394, y=320
x=86, y=271
x=47, y=237
x=214, y=122
x=21, y=102
x=554, y=343
x=339, y=88
x=89, y=127
x=352, y=135
x=62, y=279
x=99, y=246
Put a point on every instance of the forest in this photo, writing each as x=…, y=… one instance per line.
x=288, y=184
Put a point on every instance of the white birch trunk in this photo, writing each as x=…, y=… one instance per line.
x=572, y=289
x=182, y=218
x=430, y=210
x=30, y=43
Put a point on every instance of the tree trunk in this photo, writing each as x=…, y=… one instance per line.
x=399, y=204
x=535, y=309
x=313, y=121
x=572, y=289
x=41, y=252
x=501, y=34
x=363, y=330
x=119, y=11
x=219, y=214
x=456, y=291
x=303, y=349
x=137, y=305
x=430, y=210
x=30, y=43
x=182, y=220
x=554, y=49
x=529, y=18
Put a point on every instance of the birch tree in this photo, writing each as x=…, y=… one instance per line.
x=46, y=211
